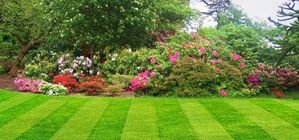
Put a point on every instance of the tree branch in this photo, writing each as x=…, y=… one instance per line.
x=14, y=34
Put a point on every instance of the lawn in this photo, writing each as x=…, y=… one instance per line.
x=33, y=116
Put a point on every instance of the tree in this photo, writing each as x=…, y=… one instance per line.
x=215, y=8
x=289, y=43
x=234, y=15
x=23, y=19
x=174, y=14
x=114, y=24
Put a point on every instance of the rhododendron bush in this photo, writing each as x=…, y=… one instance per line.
x=160, y=67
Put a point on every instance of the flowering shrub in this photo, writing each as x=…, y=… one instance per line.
x=127, y=62
x=161, y=66
x=93, y=85
x=273, y=80
x=43, y=66
x=67, y=81
x=77, y=66
x=27, y=84
x=52, y=89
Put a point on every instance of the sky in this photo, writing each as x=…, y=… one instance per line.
x=258, y=10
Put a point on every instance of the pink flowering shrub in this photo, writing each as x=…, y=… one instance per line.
x=27, y=84
x=270, y=78
x=169, y=54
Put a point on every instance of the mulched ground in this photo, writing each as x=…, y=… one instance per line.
x=7, y=83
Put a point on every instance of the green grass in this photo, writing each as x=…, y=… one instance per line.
x=33, y=116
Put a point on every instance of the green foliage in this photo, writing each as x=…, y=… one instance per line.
x=122, y=81
x=289, y=43
x=126, y=62
x=114, y=89
x=234, y=15
x=243, y=41
x=231, y=76
x=192, y=78
x=52, y=89
x=173, y=14
x=102, y=23
x=43, y=66
x=9, y=47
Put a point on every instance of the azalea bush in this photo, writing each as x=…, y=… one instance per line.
x=92, y=85
x=27, y=84
x=52, y=89
x=67, y=63
x=273, y=80
x=67, y=80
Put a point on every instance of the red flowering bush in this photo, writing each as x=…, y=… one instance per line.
x=67, y=80
x=93, y=85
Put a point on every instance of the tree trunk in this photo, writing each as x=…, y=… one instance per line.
x=16, y=66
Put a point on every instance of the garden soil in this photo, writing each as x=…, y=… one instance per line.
x=7, y=83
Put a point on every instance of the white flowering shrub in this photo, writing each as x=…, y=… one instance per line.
x=76, y=65
x=52, y=89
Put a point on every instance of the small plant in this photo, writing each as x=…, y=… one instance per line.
x=27, y=84
x=93, y=85
x=53, y=89
x=67, y=80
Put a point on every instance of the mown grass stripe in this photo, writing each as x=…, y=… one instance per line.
x=111, y=124
x=16, y=111
x=235, y=123
x=286, y=113
x=82, y=123
x=172, y=121
x=141, y=121
x=294, y=104
x=203, y=123
x=14, y=101
x=24, y=122
x=273, y=125
x=49, y=125
x=5, y=96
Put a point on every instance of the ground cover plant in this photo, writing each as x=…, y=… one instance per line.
x=28, y=116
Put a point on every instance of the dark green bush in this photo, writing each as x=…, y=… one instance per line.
x=192, y=78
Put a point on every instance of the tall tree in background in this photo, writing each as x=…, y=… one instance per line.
x=215, y=8
x=289, y=43
x=235, y=15
x=23, y=20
